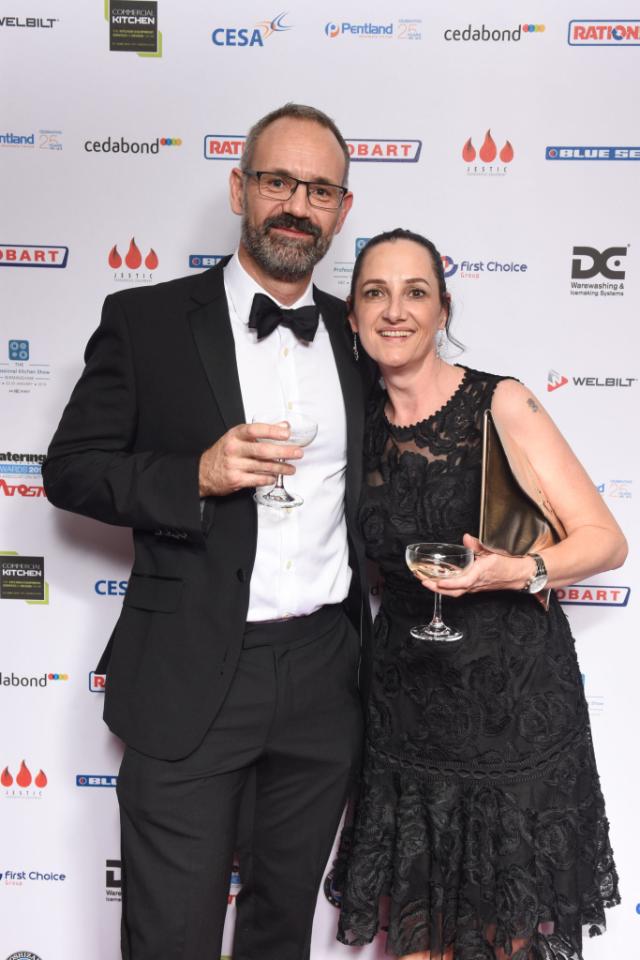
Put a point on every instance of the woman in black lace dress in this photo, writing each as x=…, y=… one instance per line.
x=480, y=832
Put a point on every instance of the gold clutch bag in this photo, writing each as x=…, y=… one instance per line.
x=515, y=516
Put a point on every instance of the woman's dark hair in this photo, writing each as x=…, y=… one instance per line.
x=389, y=236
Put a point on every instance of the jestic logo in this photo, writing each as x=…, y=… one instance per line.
x=97, y=682
x=32, y=255
x=555, y=380
x=488, y=155
x=394, y=151
x=249, y=36
x=597, y=262
x=223, y=146
x=604, y=33
x=24, y=785
x=96, y=780
x=592, y=153
x=133, y=260
x=593, y=595
x=199, y=261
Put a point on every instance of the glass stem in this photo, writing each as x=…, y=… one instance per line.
x=436, y=623
x=279, y=484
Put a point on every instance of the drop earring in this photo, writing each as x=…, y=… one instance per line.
x=356, y=352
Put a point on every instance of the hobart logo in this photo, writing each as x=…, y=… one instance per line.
x=592, y=153
x=223, y=146
x=96, y=780
x=33, y=255
x=593, y=595
x=249, y=36
x=394, y=151
x=589, y=262
x=133, y=260
x=600, y=33
x=492, y=162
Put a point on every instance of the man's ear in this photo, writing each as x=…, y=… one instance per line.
x=236, y=190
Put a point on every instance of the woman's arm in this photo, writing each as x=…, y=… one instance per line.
x=594, y=540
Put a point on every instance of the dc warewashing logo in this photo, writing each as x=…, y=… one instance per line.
x=250, y=36
x=592, y=153
x=604, y=33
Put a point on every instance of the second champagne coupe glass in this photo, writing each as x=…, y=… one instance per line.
x=302, y=431
x=437, y=561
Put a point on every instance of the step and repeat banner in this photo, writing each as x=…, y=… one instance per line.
x=508, y=136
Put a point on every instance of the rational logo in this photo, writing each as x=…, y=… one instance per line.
x=223, y=146
x=97, y=682
x=96, y=780
x=593, y=595
x=33, y=255
x=250, y=36
x=389, y=151
x=604, y=33
x=592, y=153
x=492, y=162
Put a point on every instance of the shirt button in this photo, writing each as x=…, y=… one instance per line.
x=286, y=351
x=289, y=564
x=241, y=575
x=289, y=405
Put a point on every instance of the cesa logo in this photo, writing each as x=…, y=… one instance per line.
x=592, y=153
x=250, y=36
x=200, y=261
x=604, y=33
x=223, y=146
x=33, y=255
x=389, y=151
x=24, y=778
x=96, y=780
x=593, y=595
x=110, y=588
x=97, y=682
x=588, y=262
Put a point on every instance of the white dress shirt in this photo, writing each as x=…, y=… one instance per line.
x=302, y=553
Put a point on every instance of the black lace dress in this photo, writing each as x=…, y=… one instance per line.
x=480, y=831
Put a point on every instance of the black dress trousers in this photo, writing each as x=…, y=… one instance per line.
x=293, y=720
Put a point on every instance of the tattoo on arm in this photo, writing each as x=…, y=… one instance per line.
x=532, y=405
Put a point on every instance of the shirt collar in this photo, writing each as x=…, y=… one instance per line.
x=241, y=288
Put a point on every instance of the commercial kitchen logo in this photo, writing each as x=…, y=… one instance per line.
x=21, y=464
x=133, y=27
x=23, y=785
x=97, y=682
x=43, y=139
x=593, y=595
x=592, y=153
x=110, y=588
x=475, y=269
x=113, y=880
x=616, y=489
x=254, y=36
x=492, y=34
x=604, y=33
x=589, y=262
x=133, y=261
x=223, y=146
x=96, y=780
x=17, y=878
x=556, y=380
x=134, y=147
x=389, y=151
x=15, y=680
x=487, y=160
x=33, y=255
x=30, y=23
x=201, y=261
x=22, y=578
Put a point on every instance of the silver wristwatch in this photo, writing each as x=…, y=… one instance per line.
x=538, y=581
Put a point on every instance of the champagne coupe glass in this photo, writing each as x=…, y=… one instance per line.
x=438, y=561
x=302, y=430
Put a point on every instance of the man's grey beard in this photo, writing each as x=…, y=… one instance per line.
x=284, y=258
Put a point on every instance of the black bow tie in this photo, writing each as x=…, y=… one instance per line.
x=266, y=315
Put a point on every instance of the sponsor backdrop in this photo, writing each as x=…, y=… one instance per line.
x=512, y=144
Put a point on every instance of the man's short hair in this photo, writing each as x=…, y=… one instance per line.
x=296, y=111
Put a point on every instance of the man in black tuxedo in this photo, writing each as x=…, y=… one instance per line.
x=235, y=655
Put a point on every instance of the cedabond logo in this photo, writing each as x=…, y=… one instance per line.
x=593, y=595
x=32, y=255
x=492, y=162
x=604, y=33
x=14, y=680
x=592, y=153
x=134, y=147
x=390, y=151
x=223, y=146
x=499, y=35
x=249, y=36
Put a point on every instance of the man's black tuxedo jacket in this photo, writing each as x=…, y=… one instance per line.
x=160, y=386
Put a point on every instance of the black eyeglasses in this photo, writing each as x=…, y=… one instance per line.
x=280, y=186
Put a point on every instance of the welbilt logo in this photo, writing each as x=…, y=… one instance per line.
x=492, y=162
x=33, y=255
x=593, y=595
x=592, y=153
x=23, y=786
x=604, y=33
x=390, y=151
x=132, y=260
x=97, y=682
x=556, y=380
x=31, y=23
x=250, y=36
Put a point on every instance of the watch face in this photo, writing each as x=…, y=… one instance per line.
x=538, y=584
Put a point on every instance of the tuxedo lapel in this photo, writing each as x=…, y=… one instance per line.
x=334, y=316
x=211, y=328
